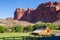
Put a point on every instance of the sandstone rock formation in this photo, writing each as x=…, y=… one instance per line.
x=46, y=12
x=18, y=13
x=9, y=18
x=21, y=14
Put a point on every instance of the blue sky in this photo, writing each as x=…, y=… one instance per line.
x=7, y=7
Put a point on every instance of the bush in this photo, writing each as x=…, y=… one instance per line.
x=28, y=28
x=17, y=29
x=2, y=29
x=13, y=29
x=53, y=27
x=59, y=27
x=38, y=25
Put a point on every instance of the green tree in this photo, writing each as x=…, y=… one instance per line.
x=28, y=28
x=2, y=29
x=53, y=27
x=38, y=25
x=19, y=28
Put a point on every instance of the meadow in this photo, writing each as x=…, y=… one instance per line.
x=25, y=36
x=14, y=34
x=17, y=36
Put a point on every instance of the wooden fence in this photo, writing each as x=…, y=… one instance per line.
x=30, y=38
x=20, y=38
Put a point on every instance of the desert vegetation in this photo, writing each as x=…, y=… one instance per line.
x=25, y=31
x=28, y=28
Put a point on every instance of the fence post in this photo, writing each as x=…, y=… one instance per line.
x=14, y=38
x=3, y=38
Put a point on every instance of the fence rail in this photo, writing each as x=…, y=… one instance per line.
x=20, y=38
x=30, y=38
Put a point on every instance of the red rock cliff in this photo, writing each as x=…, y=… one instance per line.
x=46, y=12
x=18, y=14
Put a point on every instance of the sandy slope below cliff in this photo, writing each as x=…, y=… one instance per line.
x=57, y=22
x=10, y=23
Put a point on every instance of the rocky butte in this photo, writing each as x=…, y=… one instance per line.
x=46, y=12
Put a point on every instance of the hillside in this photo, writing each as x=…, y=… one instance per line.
x=10, y=23
x=57, y=22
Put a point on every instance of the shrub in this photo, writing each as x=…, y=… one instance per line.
x=19, y=28
x=38, y=25
x=9, y=30
x=53, y=27
x=28, y=28
x=2, y=29
x=12, y=29
x=59, y=27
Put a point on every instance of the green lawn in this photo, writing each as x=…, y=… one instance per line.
x=14, y=34
x=19, y=34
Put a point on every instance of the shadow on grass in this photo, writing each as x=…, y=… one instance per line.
x=31, y=38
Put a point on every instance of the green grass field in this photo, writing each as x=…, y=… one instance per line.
x=19, y=34
x=14, y=34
